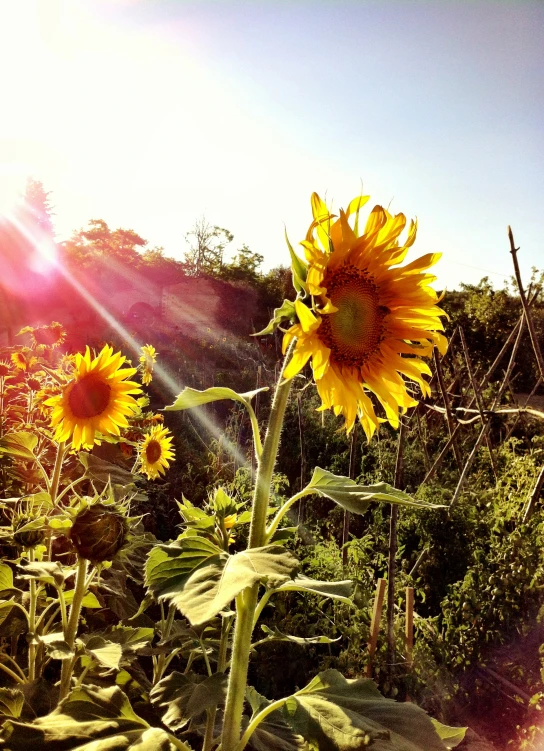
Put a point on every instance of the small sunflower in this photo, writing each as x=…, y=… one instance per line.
x=156, y=452
x=23, y=360
x=148, y=358
x=96, y=399
x=370, y=320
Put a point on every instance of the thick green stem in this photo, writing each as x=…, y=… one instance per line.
x=32, y=624
x=71, y=629
x=263, y=714
x=246, y=602
x=61, y=450
x=283, y=510
x=166, y=627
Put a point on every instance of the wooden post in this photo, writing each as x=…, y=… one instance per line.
x=393, y=524
x=375, y=625
x=409, y=627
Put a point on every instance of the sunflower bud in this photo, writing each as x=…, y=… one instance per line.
x=27, y=538
x=98, y=533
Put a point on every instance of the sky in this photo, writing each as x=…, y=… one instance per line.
x=150, y=114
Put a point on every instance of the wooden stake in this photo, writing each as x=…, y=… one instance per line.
x=409, y=627
x=375, y=625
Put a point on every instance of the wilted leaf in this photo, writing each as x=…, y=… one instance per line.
x=201, y=579
x=356, y=498
x=188, y=696
x=104, y=472
x=276, y=635
x=45, y=571
x=19, y=444
x=90, y=718
x=285, y=312
x=56, y=647
x=341, y=590
x=190, y=398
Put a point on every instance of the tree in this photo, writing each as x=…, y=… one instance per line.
x=99, y=243
x=36, y=208
x=244, y=266
x=207, y=244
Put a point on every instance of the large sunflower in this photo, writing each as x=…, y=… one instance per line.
x=370, y=320
x=96, y=399
x=156, y=452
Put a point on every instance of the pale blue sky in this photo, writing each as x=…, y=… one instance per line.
x=150, y=114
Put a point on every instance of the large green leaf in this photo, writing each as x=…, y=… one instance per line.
x=341, y=590
x=273, y=733
x=336, y=714
x=19, y=444
x=6, y=577
x=104, y=472
x=90, y=719
x=201, y=579
x=451, y=737
x=47, y=572
x=356, y=498
x=190, y=398
x=187, y=696
x=109, y=647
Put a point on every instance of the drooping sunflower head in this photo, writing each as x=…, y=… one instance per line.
x=370, y=320
x=156, y=452
x=148, y=359
x=97, y=399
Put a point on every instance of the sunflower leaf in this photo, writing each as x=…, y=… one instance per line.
x=190, y=398
x=356, y=498
x=11, y=702
x=90, y=716
x=336, y=714
x=19, y=444
x=201, y=579
x=187, y=696
x=6, y=577
x=285, y=312
x=340, y=590
x=276, y=635
x=98, y=469
x=451, y=737
x=299, y=268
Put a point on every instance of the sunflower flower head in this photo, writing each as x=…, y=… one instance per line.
x=156, y=452
x=97, y=399
x=370, y=320
x=148, y=358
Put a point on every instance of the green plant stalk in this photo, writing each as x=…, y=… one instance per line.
x=32, y=624
x=262, y=715
x=11, y=674
x=282, y=511
x=71, y=629
x=56, y=471
x=166, y=627
x=226, y=623
x=255, y=428
x=246, y=602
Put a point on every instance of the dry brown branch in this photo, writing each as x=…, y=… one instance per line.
x=514, y=424
x=483, y=383
x=448, y=412
x=535, y=495
x=485, y=427
x=525, y=304
x=479, y=400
